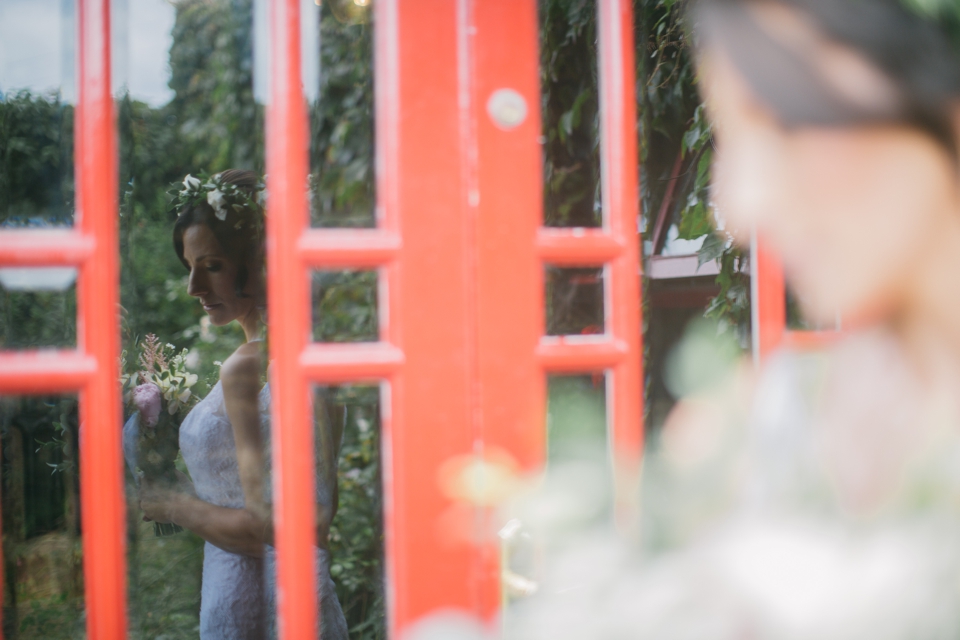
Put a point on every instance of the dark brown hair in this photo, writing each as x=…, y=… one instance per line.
x=240, y=234
x=917, y=55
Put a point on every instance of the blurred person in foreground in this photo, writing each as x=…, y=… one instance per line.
x=820, y=497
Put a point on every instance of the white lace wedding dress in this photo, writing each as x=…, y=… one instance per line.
x=238, y=593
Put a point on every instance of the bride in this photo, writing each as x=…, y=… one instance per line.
x=225, y=439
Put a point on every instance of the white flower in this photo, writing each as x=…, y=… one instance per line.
x=215, y=200
x=190, y=184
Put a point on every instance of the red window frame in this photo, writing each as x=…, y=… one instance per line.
x=92, y=369
x=769, y=308
x=461, y=256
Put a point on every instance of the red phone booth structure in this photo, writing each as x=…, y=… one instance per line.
x=92, y=369
x=461, y=255
x=459, y=246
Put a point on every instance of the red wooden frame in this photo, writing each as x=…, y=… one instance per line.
x=92, y=369
x=460, y=253
x=769, y=309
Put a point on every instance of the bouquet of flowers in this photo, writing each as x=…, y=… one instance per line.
x=160, y=391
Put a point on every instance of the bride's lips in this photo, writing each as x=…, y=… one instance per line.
x=210, y=307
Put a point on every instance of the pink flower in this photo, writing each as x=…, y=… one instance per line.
x=147, y=399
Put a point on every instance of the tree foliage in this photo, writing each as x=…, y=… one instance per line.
x=673, y=122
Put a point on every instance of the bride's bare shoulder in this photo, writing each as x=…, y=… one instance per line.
x=243, y=367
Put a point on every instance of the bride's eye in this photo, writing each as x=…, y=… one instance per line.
x=213, y=267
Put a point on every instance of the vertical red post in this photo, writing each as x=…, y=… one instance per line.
x=288, y=298
x=421, y=179
x=505, y=209
x=768, y=300
x=618, y=148
x=461, y=259
x=98, y=331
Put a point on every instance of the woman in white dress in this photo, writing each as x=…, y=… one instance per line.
x=225, y=438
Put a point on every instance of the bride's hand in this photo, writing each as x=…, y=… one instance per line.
x=159, y=502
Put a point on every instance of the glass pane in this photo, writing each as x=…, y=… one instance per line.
x=341, y=117
x=43, y=585
x=574, y=300
x=576, y=486
x=348, y=432
x=576, y=417
x=666, y=327
x=345, y=306
x=193, y=294
x=36, y=112
x=570, y=112
x=38, y=308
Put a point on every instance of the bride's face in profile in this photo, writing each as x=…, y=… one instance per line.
x=857, y=214
x=213, y=277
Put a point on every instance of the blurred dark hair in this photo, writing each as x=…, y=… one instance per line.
x=916, y=55
x=240, y=234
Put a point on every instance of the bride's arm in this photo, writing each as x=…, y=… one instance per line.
x=235, y=530
x=243, y=531
x=240, y=377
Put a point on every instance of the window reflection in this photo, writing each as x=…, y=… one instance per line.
x=341, y=119
x=36, y=112
x=570, y=108
x=348, y=431
x=345, y=306
x=38, y=308
x=197, y=439
x=576, y=417
x=43, y=585
x=574, y=300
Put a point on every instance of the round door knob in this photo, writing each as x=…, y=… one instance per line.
x=507, y=108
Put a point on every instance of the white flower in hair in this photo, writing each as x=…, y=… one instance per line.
x=215, y=199
x=190, y=184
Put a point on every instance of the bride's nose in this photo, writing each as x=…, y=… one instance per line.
x=197, y=284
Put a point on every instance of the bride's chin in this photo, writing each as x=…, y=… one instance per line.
x=218, y=319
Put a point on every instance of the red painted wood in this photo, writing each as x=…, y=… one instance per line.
x=581, y=354
x=770, y=310
x=45, y=371
x=578, y=246
x=289, y=331
x=44, y=247
x=330, y=248
x=338, y=363
x=504, y=208
x=768, y=303
x=98, y=332
x=461, y=285
x=421, y=193
x=618, y=150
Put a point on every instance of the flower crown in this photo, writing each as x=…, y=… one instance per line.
x=226, y=199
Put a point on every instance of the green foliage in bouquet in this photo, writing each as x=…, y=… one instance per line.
x=163, y=397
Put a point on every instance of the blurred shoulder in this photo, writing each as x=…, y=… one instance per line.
x=243, y=367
